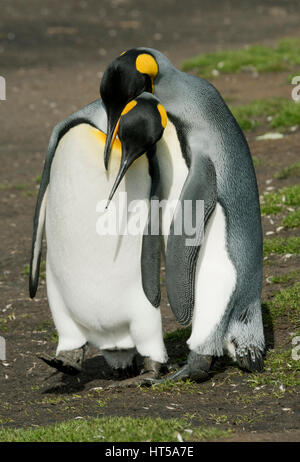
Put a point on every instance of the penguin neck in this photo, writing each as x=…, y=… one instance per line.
x=168, y=88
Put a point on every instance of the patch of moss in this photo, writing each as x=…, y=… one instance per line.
x=292, y=220
x=4, y=321
x=273, y=203
x=285, y=278
x=256, y=161
x=292, y=170
x=284, y=113
x=178, y=335
x=285, y=302
x=54, y=337
x=175, y=387
x=248, y=115
x=44, y=326
x=3, y=325
x=258, y=58
x=281, y=370
x=241, y=419
x=20, y=186
x=281, y=246
x=219, y=419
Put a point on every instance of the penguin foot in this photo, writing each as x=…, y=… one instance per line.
x=196, y=369
x=149, y=372
x=69, y=362
x=126, y=372
x=250, y=359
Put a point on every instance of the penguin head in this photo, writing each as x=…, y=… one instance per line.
x=126, y=78
x=141, y=125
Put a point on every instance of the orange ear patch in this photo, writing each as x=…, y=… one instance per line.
x=128, y=107
x=146, y=64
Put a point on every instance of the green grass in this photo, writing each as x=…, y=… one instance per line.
x=26, y=269
x=292, y=220
x=181, y=334
x=292, y=170
x=174, y=387
x=26, y=189
x=285, y=302
x=285, y=113
x=280, y=369
x=285, y=278
x=114, y=429
x=281, y=246
x=3, y=325
x=274, y=203
x=256, y=161
x=277, y=202
x=257, y=57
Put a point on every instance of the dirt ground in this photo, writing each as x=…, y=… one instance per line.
x=52, y=56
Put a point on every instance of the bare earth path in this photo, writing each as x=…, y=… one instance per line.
x=52, y=55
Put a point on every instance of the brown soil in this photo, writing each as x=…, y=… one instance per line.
x=52, y=57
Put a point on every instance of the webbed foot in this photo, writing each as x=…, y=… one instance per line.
x=69, y=362
x=196, y=369
x=149, y=372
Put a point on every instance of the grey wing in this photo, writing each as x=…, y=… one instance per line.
x=151, y=247
x=93, y=114
x=182, y=248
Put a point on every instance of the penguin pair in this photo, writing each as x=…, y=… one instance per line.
x=102, y=289
x=215, y=284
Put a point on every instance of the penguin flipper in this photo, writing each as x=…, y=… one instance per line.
x=181, y=257
x=93, y=114
x=151, y=247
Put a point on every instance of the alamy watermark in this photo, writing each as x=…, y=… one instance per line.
x=296, y=89
x=2, y=88
x=2, y=349
x=125, y=217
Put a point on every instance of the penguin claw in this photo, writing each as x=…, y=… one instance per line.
x=196, y=369
x=184, y=373
x=68, y=362
x=251, y=360
x=59, y=365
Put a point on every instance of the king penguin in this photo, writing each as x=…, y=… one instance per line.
x=102, y=289
x=215, y=284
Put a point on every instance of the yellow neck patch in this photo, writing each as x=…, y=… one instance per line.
x=102, y=138
x=128, y=107
x=163, y=115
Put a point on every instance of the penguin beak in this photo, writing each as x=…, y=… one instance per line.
x=113, y=122
x=123, y=169
x=129, y=155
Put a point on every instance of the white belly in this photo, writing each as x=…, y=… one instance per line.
x=215, y=276
x=173, y=173
x=94, y=281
